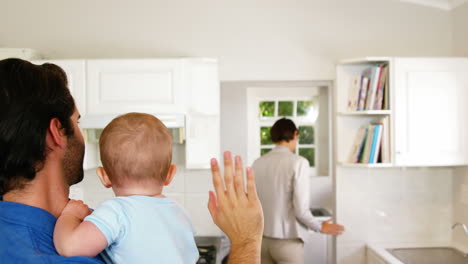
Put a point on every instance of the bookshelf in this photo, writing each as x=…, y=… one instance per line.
x=365, y=165
x=351, y=117
x=365, y=113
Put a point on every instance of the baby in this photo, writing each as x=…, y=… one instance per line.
x=139, y=225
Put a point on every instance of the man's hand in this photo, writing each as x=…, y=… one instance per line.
x=238, y=213
x=332, y=229
x=77, y=209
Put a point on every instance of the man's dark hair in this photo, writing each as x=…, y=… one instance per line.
x=283, y=129
x=30, y=97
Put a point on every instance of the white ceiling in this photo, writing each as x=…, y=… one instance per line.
x=442, y=4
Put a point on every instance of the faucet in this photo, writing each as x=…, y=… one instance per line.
x=465, y=228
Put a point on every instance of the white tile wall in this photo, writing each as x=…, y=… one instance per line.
x=178, y=183
x=351, y=253
x=196, y=206
x=392, y=205
x=460, y=205
x=189, y=188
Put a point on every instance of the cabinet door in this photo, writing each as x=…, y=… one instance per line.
x=203, y=80
x=75, y=70
x=430, y=112
x=203, y=141
x=147, y=85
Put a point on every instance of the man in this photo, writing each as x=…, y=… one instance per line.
x=282, y=180
x=41, y=156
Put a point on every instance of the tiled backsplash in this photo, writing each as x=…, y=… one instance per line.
x=392, y=205
x=460, y=203
x=190, y=189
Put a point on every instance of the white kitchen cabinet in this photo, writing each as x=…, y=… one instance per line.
x=428, y=114
x=203, y=141
x=110, y=87
x=317, y=249
x=203, y=123
x=140, y=85
x=203, y=82
x=76, y=72
x=430, y=111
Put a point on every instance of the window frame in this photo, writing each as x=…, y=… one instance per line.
x=276, y=94
x=267, y=121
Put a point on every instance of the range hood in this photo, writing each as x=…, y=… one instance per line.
x=100, y=121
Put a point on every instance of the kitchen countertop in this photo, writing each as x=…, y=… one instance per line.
x=380, y=249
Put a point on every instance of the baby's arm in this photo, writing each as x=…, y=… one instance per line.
x=73, y=237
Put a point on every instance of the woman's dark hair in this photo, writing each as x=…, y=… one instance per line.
x=30, y=96
x=283, y=129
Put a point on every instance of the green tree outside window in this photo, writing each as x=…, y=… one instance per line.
x=309, y=154
x=303, y=107
x=267, y=109
x=264, y=151
x=285, y=108
x=265, y=138
x=306, y=135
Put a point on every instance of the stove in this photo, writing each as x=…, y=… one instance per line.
x=208, y=248
x=207, y=254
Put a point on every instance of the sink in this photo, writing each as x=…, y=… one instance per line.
x=320, y=212
x=434, y=255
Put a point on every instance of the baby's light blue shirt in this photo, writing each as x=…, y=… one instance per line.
x=144, y=229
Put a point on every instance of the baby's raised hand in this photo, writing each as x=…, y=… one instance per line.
x=77, y=209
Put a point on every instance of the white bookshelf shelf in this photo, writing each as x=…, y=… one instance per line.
x=366, y=60
x=350, y=122
x=366, y=165
x=366, y=113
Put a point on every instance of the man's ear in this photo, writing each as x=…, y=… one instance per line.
x=103, y=177
x=170, y=174
x=55, y=134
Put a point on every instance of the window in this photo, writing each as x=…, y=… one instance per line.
x=308, y=104
x=303, y=111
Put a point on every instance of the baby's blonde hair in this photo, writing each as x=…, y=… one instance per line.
x=136, y=147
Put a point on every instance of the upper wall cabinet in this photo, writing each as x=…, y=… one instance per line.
x=430, y=111
x=203, y=111
x=422, y=120
x=202, y=78
x=144, y=85
x=76, y=72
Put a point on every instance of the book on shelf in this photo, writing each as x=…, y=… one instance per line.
x=362, y=93
x=369, y=91
x=386, y=95
x=376, y=143
x=385, y=140
x=358, y=145
x=373, y=73
x=372, y=143
x=353, y=97
x=381, y=88
x=365, y=156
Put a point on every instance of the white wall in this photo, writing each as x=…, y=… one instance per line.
x=255, y=40
x=460, y=26
x=460, y=204
x=460, y=184
x=392, y=206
